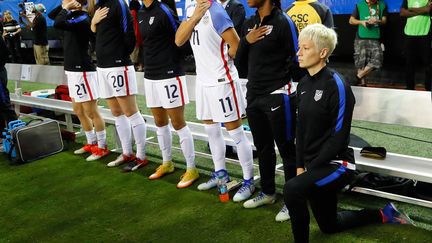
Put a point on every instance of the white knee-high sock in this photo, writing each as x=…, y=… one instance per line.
x=244, y=151
x=217, y=145
x=164, y=137
x=101, y=138
x=187, y=146
x=140, y=133
x=91, y=137
x=123, y=127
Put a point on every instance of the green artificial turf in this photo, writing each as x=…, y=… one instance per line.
x=63, y=198
x=66, y=199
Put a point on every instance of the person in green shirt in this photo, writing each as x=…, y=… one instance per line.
x=418, y=39
x=368, y=15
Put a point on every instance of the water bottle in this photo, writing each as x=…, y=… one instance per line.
x=222, y=187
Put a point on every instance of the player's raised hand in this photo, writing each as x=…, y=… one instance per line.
x=99, y=15
x=201, y=7
x=257, y=34
x=70, y=5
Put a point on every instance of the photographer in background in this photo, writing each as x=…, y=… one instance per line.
x=40, y=38
x=11, y=35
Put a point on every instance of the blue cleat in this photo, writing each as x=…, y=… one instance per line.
x=391, y=215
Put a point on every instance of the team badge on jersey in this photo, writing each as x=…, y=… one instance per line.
x=151, y=20
x=318, y=95
x=269, y=29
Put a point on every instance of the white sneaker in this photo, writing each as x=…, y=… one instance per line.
x=261, y=199
x=245, y=192
x=283, y=214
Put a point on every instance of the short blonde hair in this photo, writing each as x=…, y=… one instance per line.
x=321, y=36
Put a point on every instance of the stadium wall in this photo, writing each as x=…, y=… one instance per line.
x=392, y=33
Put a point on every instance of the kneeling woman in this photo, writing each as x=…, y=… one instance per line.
x=325, y=163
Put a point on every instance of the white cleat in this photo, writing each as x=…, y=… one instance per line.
x=88, y=148
x=260, y=200
x=98, y=153
x=121, y=159
x=245, y=192
x=209, y=184
x=212, y=183
x=283, y=215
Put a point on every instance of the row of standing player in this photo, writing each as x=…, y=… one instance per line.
x=166, y=92
x=114, y=80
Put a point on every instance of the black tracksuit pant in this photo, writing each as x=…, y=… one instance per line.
x=272, y=119
x=7, y=113
x=418, y=49
x=320, y=186
x=14, y=46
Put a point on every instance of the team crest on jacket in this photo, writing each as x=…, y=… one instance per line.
x=269, y=29
x=318, y=95
x=151, y=20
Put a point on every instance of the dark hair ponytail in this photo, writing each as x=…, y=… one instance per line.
x=277, y=3
x=171, y=4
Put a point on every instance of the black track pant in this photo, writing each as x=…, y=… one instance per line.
x=272, y=119
x=14, y=46
x=7, y=113
x=418, y=53
x=320, y=187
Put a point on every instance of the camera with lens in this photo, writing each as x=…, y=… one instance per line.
x=21, y=6
x=26, y=9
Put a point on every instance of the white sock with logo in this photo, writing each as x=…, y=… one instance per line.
x=123, y=128
x=244, y=151
x=164, y=137
x=140, y=134
x=101, y=138
x=217, y=145
x=91, y=137
x=187, y=146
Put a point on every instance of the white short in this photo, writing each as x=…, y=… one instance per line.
x=83, y=86
x=117, y=81
x=166, y=93
x=221, y=103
